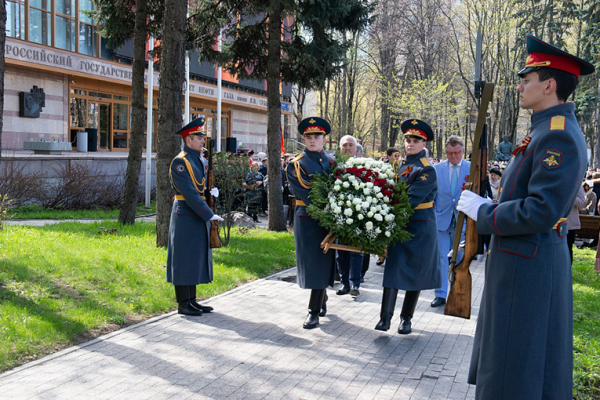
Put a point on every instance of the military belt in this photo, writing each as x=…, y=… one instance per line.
x=300, y=203
x=424, y=206
x=181, y=198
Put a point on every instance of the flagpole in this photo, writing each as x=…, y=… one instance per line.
x=149, y=124
x=219, y=87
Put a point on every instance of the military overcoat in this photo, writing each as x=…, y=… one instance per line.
x=414, y=264
x=315, y=269
x=523, y=346
x=189, y=257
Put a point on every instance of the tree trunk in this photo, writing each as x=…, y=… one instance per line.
x=138, y=118
x=2, y=44
x=276, y=219
x=170, y=98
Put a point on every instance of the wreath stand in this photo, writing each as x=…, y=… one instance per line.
x=328, y=243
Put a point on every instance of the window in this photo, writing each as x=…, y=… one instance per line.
x=40, y=21
x=15, y=19
x=87, y=31
x=78, y=112
x=65, y=24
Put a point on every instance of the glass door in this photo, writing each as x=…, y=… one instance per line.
x=104, y=138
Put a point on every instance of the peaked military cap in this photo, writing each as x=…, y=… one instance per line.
x=545, y=55
x=417, y=128
x=196, y=127
x=314, y=126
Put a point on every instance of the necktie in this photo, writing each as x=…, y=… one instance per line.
x=454, y=179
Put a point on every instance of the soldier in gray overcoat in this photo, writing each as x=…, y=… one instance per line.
x=413, y=265
x=314, y=269
x=189, y=265
x=523, y=348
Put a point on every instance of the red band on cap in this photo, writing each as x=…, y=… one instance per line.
x=416, y=132
x=314, y=129
x=566, y=64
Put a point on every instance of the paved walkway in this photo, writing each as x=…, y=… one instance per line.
x=253, y=347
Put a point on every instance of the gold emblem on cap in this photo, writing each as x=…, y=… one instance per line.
x=414, y=122
x=312, y=121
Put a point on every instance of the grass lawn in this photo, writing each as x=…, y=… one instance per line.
x=67, y=283
x=586, y=336
x=36, y=212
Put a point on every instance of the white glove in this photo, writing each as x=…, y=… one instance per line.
x=470, y=202
x=214, y=192
x=217, y=218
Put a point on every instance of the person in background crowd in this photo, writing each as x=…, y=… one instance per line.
x=590, y=199
x=451, y=173
x=495, y=176
x=314, y=269
x=413, y=265
x=573, y=220
x=253, y=184
x=360, y=151
x=188, y=266
x=264, y=198
x=596, y=180
x=349, y=263
x=523, y=346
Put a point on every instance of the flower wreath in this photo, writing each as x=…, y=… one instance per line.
x=362, y=204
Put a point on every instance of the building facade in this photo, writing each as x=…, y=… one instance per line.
x=52, y=47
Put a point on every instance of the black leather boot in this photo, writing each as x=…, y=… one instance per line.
x=408, y=310
x=324, y=305
x=186, y=294
x=314, y=307
x=388, y=303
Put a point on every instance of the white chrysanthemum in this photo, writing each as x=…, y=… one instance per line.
x=337, y=210
x=366, y=204
x=348, y=203
x=337, y=188
x=349, y=221
x=373, y=209
x=351, y=178
x=356, y=200
x=357, y=207
x=370, y=214
x=377, y=230
x=366, y=191
x=369, y=225
x=390, y=182
x=379, y=195
x=390, y=217
x=370, y=184
x=386, y=199
x=346, y=185
x=348, y=211
x=360, y=217
x=378, y=217
x=388, y=233
x=376, y=189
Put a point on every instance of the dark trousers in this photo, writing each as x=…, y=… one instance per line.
x=350, y=265
x=570, y=243
x=365, y=264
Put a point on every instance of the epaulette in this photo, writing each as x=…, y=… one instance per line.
x=181, y=155
x=558, y=123
x=299, y=156
x=425, y=162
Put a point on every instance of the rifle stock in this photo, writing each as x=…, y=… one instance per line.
x=215, y=239
x=458, y=303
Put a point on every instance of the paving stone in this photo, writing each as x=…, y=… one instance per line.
x=233, y=354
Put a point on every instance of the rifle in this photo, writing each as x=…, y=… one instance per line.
x=215, y=240
x=459, y=298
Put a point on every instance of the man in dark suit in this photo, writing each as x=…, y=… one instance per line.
x=349, y=263
x=523, y=347
x=451, y=174
x=190, y=265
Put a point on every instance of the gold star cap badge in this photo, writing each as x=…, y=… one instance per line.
x=312, y=121
x=414, y=122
